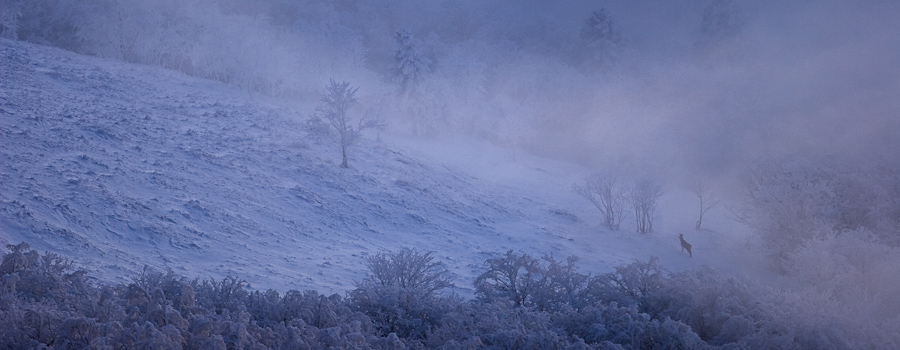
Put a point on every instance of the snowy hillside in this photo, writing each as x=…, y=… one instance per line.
x=121, y=166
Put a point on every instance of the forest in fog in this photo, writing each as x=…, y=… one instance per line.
x=783, y=116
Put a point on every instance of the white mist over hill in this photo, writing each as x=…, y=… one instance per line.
x=121, y=166
x=178, y=135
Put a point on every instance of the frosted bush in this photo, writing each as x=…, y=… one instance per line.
x=407, y=269
x=790, y=201
x=640, y=306
x=399, y=292
x=512, y=277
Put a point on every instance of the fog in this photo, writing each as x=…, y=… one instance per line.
x=700, y=87
x=795, y=105
x=817, y=79
x=697, y=87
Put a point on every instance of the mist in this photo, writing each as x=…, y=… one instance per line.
x=791, y=110
x=702, y=86
x=799, y=79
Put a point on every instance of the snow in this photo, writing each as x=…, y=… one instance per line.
x=118, y=166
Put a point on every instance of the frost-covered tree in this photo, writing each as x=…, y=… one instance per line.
x=600, y=38
x=334, y=110
x=399, y=292
x=44, y=303
x=126, y=32
x=419, y=102
x=789, y=201
x=607, y=194
x=599, y=28
x=785, y=202
x=514, y=277
x=643, y=196
x=545, y=284
x=408, y=269
x=50, y=22
x=636, y=284
x=410, y=65
x=10, y=12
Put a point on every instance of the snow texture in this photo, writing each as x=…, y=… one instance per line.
x=119, y=166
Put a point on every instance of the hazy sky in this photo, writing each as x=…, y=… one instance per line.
x=704, y=85
x=811, y=77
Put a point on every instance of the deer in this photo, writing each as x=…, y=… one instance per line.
x=685, y=245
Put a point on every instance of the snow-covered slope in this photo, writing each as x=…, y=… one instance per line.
x=119, y=166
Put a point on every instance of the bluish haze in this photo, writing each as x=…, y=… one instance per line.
x=700, y=86
x=189, y=135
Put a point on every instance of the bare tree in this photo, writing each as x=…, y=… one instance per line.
x=605, y=192
x=643, y=198
x=707, y=200
x=334, y=109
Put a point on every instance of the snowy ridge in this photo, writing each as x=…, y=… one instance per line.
x=120, y=166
